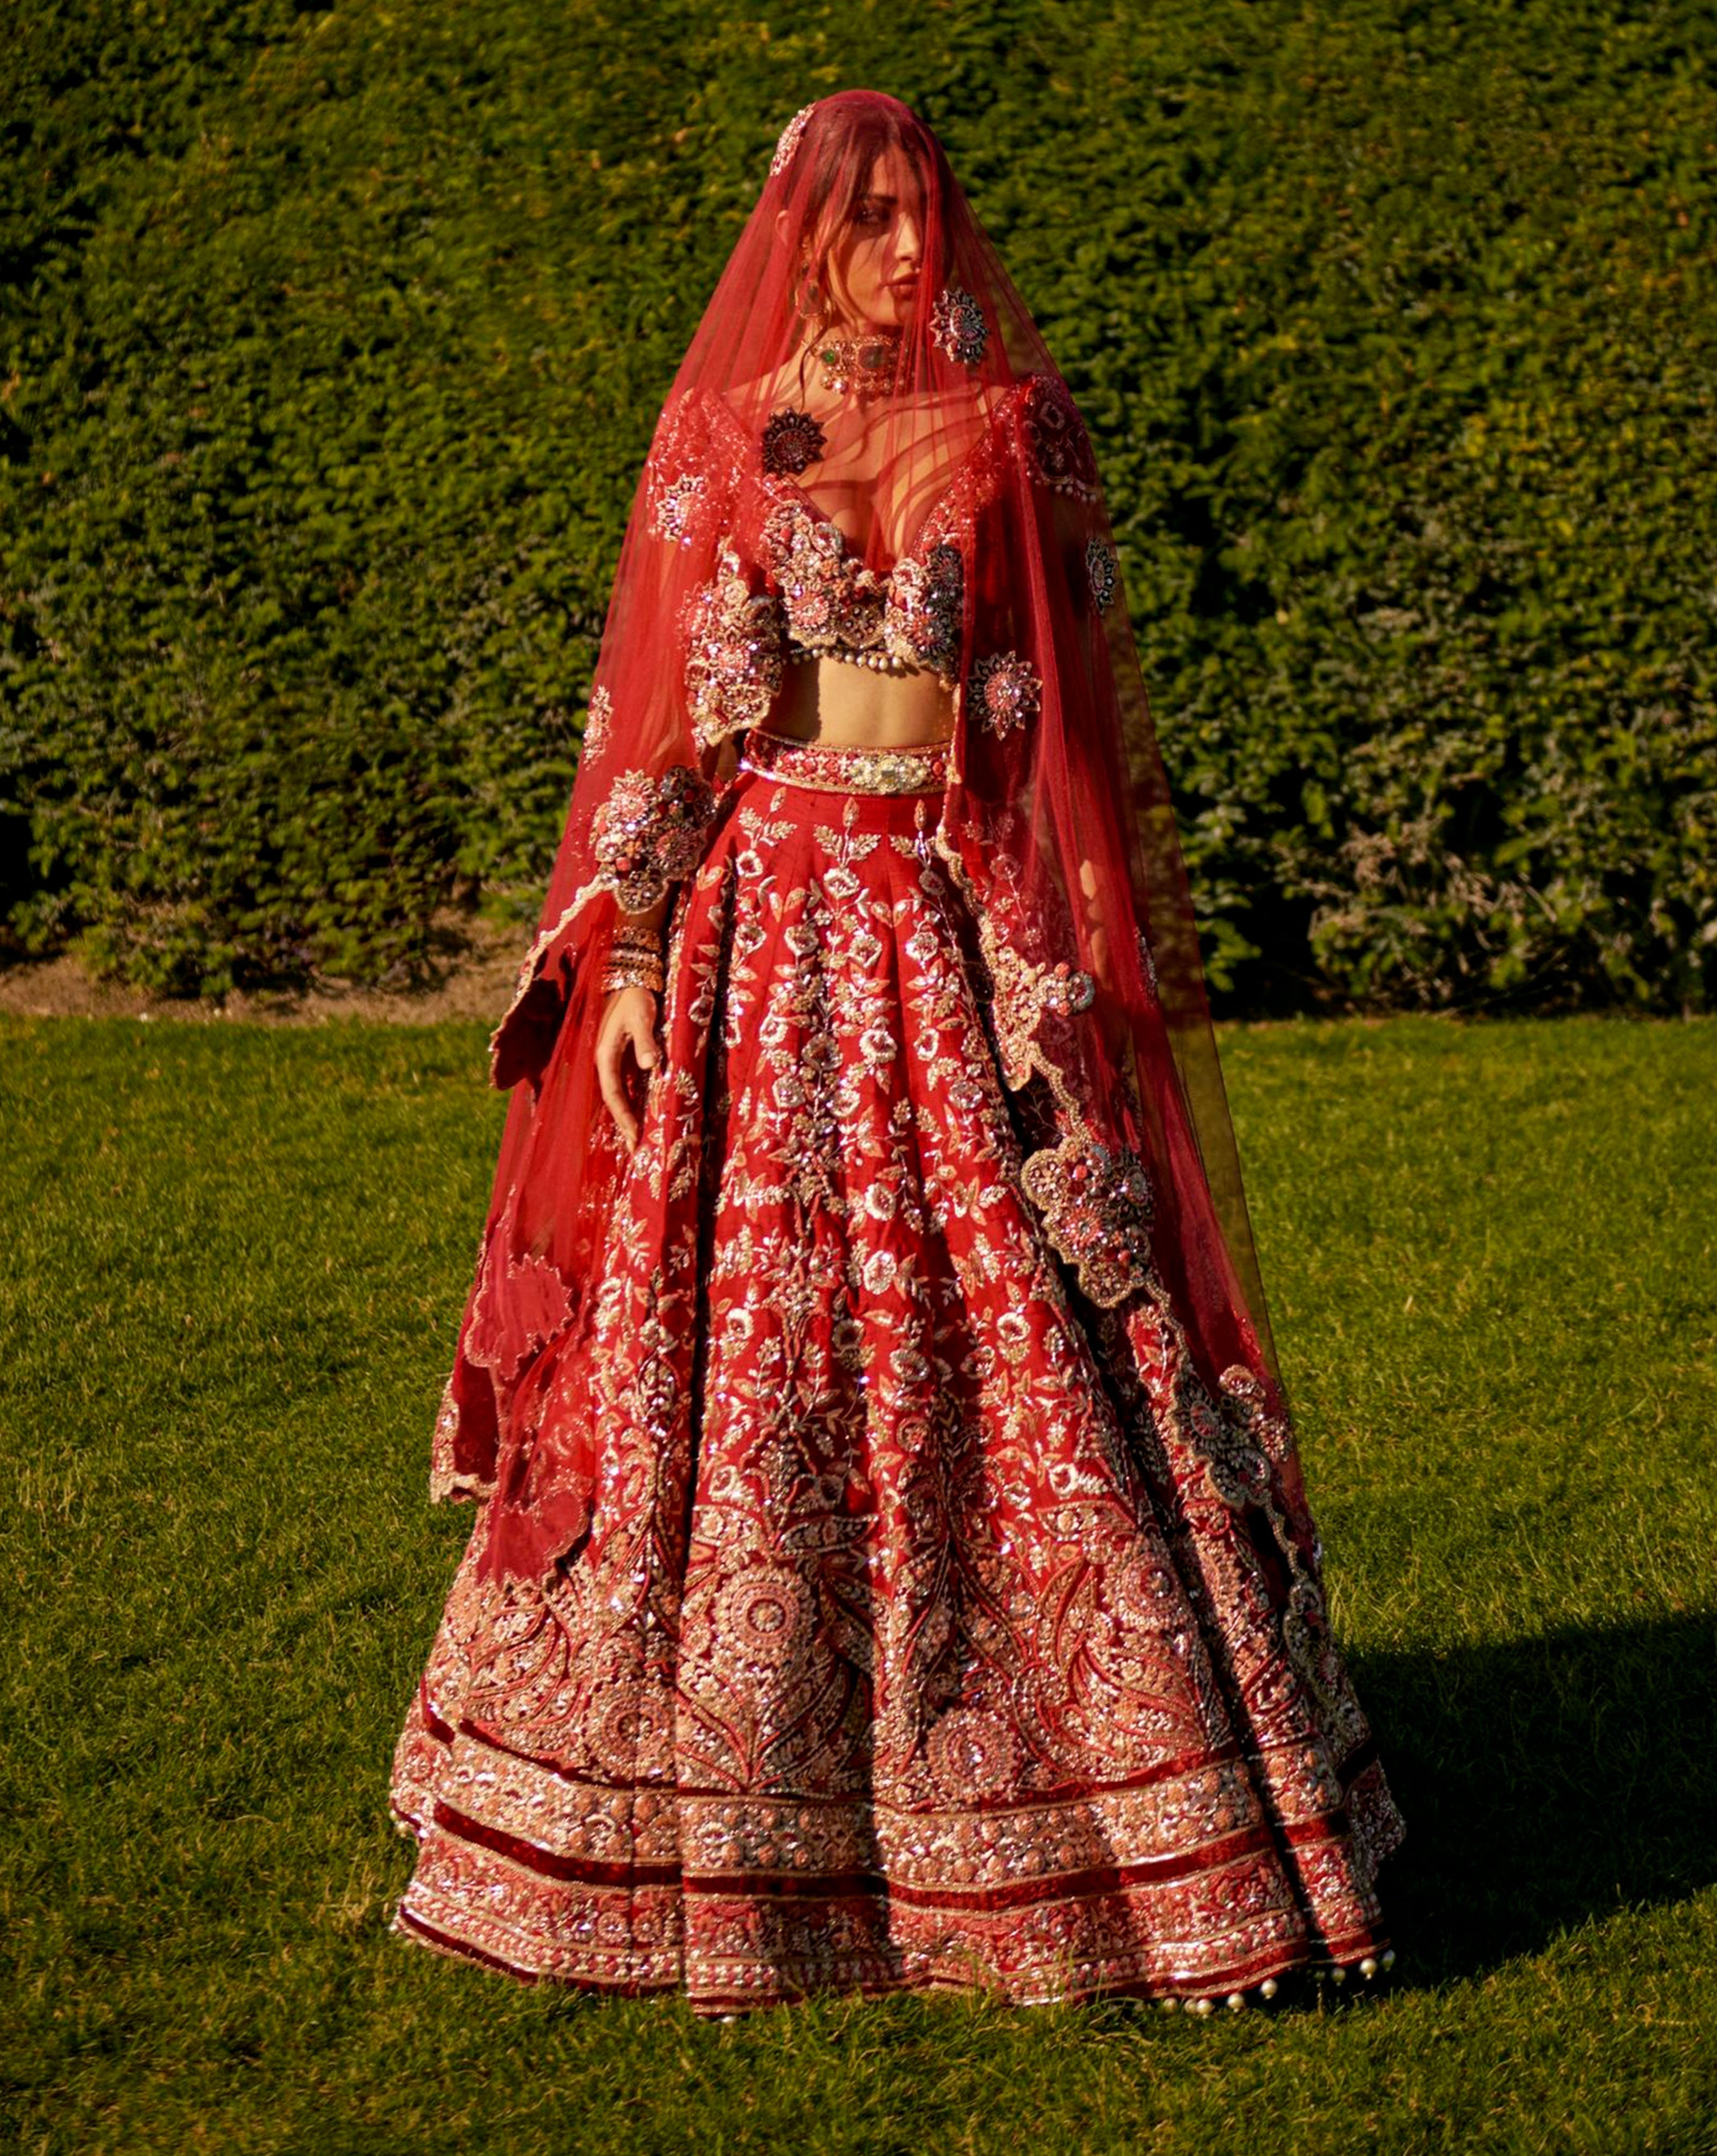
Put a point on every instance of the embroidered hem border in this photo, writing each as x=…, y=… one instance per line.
x=648, y=1923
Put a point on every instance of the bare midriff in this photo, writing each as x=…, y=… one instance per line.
x=843, y=705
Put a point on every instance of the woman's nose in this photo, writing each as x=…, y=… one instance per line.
x=908, y=242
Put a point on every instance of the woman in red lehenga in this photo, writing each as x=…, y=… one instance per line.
x=891, y=1567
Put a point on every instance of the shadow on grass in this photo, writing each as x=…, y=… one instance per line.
x=1544, y=1783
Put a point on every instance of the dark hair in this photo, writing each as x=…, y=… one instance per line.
x=844, y=138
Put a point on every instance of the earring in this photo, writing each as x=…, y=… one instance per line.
x=816, y=314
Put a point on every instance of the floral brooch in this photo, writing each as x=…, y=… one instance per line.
x=792, y=441
x=957, y=327
x=1100, y=572
x=1007, y=691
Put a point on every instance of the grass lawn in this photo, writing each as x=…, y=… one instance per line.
x=231, y=1264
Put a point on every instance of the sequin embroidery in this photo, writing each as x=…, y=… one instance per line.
x=1057, y=447
x=787, y=143
x=734, y=662
x=1101, y=569
x=911, y=614
x=792, y=442
x=925, y=1632
x=1005, y=690
x=650, y=831
x=957, y=327
x=597, y=722
x=1097, y=1209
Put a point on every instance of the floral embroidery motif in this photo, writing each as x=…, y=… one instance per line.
x=793, y=441
x=1243, y=1394
x=1025, y=994
x=1243, y=1444
x=597, y=722
x=1057, y=448
x=1063, y=989
x=970, y=1753
x=766, y=1611
x=930, y=597
x=650, y=831
x=685, y=477
x=1101, y=568
x=1097, y=1206
x=1007, y=690
x=828, y=596
x=957, y=327
x=674, y=506
x=911, y=614
x=787, y=147
x=734, y=662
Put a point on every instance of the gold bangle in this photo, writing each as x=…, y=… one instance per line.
x=632, y=973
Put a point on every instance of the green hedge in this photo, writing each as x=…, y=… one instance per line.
x=332, y=339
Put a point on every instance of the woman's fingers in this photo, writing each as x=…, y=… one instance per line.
x=644, y=1044
x=614, y=1099
x=632, y=1029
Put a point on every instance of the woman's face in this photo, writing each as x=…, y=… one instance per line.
x=876, y=256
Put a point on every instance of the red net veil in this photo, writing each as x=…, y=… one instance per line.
x=966, y=471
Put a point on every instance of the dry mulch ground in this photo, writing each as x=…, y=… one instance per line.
x=475, y=981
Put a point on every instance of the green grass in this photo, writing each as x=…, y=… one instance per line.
x=232, y=1265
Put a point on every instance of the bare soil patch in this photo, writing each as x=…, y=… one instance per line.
x=472, y=979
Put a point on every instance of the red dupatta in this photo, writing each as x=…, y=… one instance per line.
x=988, y=556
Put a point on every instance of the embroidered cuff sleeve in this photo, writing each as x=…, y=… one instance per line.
x=733, y=653
x=650, y=831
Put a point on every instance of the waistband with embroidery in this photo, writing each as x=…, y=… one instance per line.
x=922, y=769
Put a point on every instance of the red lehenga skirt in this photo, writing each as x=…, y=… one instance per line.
x=912, y=1643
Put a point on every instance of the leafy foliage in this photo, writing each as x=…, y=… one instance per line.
x=332, y=339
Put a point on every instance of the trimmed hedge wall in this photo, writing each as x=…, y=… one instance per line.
x=332, y=340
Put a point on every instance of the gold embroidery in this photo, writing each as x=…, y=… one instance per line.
x=733, y=664
x=827, y=767
x=1007, y=691
x=1097, y=1209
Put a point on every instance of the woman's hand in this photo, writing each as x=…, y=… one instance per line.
x=1096, y=936
x=629, y=1021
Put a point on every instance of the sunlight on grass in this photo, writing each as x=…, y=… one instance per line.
x=233, y=1264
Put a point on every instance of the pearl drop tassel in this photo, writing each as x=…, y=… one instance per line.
x=880, y=662
x=1371, y=1966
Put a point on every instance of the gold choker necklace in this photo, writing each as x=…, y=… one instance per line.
x=862, y=366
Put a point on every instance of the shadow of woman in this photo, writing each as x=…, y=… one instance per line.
x=1544, y=1782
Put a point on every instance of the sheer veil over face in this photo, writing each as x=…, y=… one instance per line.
x=867, y=407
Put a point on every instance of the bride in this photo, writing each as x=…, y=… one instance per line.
x=891, y=1566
